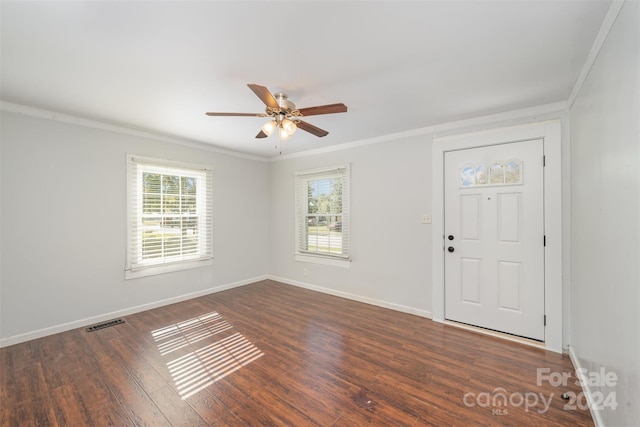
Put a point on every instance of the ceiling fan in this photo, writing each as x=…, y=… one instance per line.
x=284, y=114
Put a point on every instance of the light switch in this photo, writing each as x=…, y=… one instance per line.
x=426, y=219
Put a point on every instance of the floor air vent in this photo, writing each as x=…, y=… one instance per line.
x=104, y=325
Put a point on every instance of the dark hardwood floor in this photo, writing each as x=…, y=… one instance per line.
x=272, y=354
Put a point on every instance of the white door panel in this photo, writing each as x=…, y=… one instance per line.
x=494, y=253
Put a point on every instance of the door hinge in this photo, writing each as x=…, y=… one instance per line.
x=544, y=161
x=545, y=320
x=544, y=240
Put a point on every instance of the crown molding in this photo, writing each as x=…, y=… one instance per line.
x=122, y=129
x=605, y=28
x=538, y=113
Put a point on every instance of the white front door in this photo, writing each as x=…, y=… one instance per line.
x=494, y=237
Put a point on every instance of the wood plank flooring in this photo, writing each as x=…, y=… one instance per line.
x=269, y=354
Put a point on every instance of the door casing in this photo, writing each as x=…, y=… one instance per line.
x=550, y=131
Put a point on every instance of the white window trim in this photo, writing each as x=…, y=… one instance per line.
x=343, y=261
x=134, y=204
x=324, y=260
x=167, y=268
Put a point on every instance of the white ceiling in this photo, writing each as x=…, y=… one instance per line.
x=398, y=66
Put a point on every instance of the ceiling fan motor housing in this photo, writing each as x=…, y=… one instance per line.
x=284, y=103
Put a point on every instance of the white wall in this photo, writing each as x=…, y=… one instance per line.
x=64, y=223
x=605, y=162
x=390, y=248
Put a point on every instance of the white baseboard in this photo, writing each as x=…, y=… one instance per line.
x=28, y=336
x=597, y=419
x=346, y=295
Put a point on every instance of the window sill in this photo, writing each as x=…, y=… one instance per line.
x=162, y=269
x=313, y=259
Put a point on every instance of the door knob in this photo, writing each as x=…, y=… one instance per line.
x=450, y=249
x=450, y=237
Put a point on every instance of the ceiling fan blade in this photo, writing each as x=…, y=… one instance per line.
x=323, y=109
x=264, y=94
x=261, y=134
x=312, y=129
x=237, y=114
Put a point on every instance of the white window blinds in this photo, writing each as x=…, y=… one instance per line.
x=170, y=212
x=322, y=212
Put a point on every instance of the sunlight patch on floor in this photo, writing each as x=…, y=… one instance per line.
x=180, y=335
x=205, y=365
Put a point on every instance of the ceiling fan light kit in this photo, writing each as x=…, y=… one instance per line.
x=288, y=126
x=285, y=127
x=269, y=127
x=284, y=115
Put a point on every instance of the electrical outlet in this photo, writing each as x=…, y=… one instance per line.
x=426, y=219
x=305, y=272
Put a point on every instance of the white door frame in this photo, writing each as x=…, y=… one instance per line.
x=550, y=131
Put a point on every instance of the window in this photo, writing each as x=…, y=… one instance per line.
x=498, y=173
x=322, y=219
x=169, y=216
